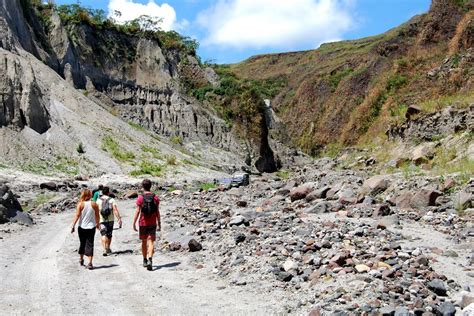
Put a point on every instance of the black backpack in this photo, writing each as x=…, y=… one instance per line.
x=149, y=205
x=106, y=208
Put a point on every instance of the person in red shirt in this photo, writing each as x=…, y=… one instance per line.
x=150, y=222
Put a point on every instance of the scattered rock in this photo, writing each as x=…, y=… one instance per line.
x=174, y=246
x=284, y=276
x=425, y=197
x=319, y=208
x=361, y=268
x=242, y=203
x=438, y=287
x=131, y=194
x=239, y=238
x=382, y=210
x=301, y=192
x=446, y=309
x=376, y=184
x=238, y=220
x=387, y=221
x=52, y=186
x=194, y=245
x=289, y=265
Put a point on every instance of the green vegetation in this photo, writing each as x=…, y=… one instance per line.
x=177, y=140
x=461, y=100
x=66, y=165
x=155, y=153
x=80, y=148
x=284, y=174
x=137, y=127
x=207, y=186
x=110, y=145
x=73, y=15
x=331, y=150
x=335, y=79
x=188, y=162
x=395, y=82
x=41, y=199
x=171, y=160
x=147, y=167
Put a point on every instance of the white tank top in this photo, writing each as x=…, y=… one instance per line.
x=87, y=220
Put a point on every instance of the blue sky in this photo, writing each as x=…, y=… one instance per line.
x=233, y=30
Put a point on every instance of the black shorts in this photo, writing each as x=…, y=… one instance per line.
x=106, y=229
x=147, y=232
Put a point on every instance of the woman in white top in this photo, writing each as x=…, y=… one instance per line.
x=87, y=213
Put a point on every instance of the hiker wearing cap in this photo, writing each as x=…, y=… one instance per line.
x=150, y=222
x=108, y=211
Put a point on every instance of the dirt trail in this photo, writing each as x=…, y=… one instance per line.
x=40, y=274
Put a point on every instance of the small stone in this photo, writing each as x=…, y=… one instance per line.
x=238, y=220
x=387, y=311
x=242, y=203
x=446, y=309
x=361, y=268
x=401, y=311
x=239, y=238
x=174, y=246
x=284, y=276
x=289, y=265
x=387, y=221
x=437, y=286
x=450, y=253
x=194, y=245
x=382, y=210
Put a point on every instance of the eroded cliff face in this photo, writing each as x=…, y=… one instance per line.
x=22, y=100
x=132, y=76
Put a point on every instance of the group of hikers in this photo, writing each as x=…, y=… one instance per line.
x=98, y=210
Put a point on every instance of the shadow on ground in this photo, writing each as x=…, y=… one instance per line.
x=166, y=265
x=105, y=266
x=123, y=252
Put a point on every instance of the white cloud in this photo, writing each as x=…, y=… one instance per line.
x=131, y=10
x=275, y=23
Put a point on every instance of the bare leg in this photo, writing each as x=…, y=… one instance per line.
x=150, y=247
x=90, y=259
x=144, y=249
x=103, y=239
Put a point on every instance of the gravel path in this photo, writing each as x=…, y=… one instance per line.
x=40, y=274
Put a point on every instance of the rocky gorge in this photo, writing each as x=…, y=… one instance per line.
x=379, y=223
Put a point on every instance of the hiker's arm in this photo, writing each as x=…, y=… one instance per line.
x=117, y=214
x=77, y=216
x=135, y=217
x=97, y=216
x=158, y=219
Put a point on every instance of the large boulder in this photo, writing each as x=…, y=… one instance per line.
x=422, y=154
x=52, y=186
x=376, y=184
x=463, y=200
x=425, y=197
x=301, y=192
x=10, y=208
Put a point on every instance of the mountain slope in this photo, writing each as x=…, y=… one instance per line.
x=139, y=76
x=68, y=111
x=350, y=91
